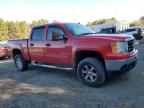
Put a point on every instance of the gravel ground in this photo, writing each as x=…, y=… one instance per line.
x=50, y=88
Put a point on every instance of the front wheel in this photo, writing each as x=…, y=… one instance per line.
x=20, y=63
x=91, y=72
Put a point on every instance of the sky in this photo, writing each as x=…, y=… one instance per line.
x=82, y=11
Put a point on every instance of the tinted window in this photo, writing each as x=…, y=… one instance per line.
x=38, y=33
x=55, y=33
x=130, y=30
x=104, y=31
x=123, y=31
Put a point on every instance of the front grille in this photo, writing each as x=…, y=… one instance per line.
x=130, y=45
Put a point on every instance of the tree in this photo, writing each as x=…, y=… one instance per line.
x=12, y=30
x=1, y=29
x=42, y=22
x=17, y=30
x=96, y=22
x=102, y=21
x=39, y=22
x=141, y=21
x=134, y=23
x=55, y=21
x=25, y=29
x=142, y=18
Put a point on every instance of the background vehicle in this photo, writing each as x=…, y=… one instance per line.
x=108, y=31
x=137, y=32
x=3, y=50
x=74, y=46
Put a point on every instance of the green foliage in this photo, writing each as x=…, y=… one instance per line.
x=142, y=18
x=142, y=21
x=17, y=30
x=39, y=22
x=101, y=21
x=134, y=23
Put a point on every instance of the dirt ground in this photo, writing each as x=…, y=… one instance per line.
x=51, y=88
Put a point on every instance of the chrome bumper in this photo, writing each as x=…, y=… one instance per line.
x=118, y=65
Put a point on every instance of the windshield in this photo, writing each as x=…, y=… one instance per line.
x=78, y=29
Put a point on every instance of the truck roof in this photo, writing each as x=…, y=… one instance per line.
x=57, y=23
x=49, y=24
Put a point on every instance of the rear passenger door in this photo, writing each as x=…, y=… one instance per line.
x=36, y=44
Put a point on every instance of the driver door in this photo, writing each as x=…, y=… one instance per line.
x=57, y=48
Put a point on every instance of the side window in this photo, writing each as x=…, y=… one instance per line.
x=127, y=30
x=55, y=33
x=130, y=30
x=38, y=34
x=123, y=31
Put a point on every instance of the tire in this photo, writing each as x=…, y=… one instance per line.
x=91, y=72
x=20, y=63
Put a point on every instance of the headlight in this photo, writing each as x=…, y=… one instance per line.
x=119, y=47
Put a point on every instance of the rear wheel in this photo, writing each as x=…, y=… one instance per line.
x=91, y=72
x=20, y=63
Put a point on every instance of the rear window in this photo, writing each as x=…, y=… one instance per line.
x=38, y=34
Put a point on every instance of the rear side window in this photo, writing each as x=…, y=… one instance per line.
x=38, y=34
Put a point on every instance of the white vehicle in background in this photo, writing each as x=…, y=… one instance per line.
x=137, y=32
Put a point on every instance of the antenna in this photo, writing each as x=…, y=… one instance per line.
x=74, y=15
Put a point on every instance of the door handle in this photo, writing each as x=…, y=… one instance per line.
x=48, y=44
x=31, y=44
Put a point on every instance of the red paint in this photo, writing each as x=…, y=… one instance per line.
x=4, y=51
x=64, y=51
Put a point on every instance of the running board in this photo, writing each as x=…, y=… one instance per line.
x=50, y=66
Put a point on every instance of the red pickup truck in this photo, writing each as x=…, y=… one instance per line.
x=74, y=46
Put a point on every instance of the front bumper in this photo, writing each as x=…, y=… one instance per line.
x=122, y=65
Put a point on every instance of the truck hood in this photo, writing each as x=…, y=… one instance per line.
x=119, y=37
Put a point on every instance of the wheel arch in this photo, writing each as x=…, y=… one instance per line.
x=16, y=51
x=80, y=55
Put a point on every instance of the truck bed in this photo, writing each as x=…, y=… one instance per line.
x=21, y=44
